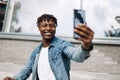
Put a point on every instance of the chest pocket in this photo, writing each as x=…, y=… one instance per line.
x=57, y=57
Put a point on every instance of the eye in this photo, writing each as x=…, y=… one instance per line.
x=52, y=25
x=43, y=25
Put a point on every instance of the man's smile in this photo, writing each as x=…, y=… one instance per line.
x=48, y=33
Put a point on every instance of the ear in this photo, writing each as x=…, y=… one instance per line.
x=39, y=28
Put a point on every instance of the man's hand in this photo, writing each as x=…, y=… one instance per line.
x=8, y=78
x=86, y=35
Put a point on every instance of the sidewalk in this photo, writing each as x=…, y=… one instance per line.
x=9, y=69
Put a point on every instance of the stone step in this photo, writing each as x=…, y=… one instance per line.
x=98, y=62
x=98, y=57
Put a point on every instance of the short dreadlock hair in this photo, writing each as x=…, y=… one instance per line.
x=47, y=17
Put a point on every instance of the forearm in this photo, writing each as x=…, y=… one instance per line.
x=77, y=54
x=23, y=74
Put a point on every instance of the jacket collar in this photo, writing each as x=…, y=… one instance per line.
x=53, y=43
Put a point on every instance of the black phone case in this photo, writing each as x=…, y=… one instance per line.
x=79, y=17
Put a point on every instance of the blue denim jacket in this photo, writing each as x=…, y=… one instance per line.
x=60, y=53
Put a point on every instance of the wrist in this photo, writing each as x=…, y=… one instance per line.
x=88, y=47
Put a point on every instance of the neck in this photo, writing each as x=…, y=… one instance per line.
x=46, y=43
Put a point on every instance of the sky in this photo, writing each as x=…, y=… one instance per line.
x=99, y=15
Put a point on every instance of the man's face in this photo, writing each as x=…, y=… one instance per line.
x=47, y=29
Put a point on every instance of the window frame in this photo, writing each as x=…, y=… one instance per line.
x=5, y=34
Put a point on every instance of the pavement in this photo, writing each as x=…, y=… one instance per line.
x=104, y=63
x=10, y=69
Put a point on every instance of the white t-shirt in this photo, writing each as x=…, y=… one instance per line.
x=44, y=70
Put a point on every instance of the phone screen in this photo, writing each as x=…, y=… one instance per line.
x=79, y=17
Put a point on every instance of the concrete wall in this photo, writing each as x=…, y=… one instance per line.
x=104, y=58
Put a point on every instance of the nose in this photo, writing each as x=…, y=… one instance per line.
x=48, y=27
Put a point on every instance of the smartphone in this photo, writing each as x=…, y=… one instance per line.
x=79, y=17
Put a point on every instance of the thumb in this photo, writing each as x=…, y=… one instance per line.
x=8, y=78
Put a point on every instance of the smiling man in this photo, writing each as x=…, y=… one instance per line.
x=47, y=27
x=51, y=59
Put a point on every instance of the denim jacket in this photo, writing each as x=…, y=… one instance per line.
x=60, y=53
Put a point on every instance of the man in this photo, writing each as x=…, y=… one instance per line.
x=51, y=59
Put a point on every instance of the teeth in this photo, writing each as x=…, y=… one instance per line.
x=48, y=33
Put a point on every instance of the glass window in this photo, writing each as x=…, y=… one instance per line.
x=101, y=15
x=3, y=4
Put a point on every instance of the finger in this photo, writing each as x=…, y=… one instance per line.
x=83, y=28
x=85, y=41
x=85, y=38
x=8, y=78
x=83, y=34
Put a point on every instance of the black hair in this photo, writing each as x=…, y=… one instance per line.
x=47, y=17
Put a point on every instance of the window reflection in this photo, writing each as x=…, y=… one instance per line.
x=3, y=4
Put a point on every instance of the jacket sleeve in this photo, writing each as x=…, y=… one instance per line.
x=77, y=54
x=26, y=71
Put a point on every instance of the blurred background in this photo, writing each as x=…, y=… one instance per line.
x=19, y=34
